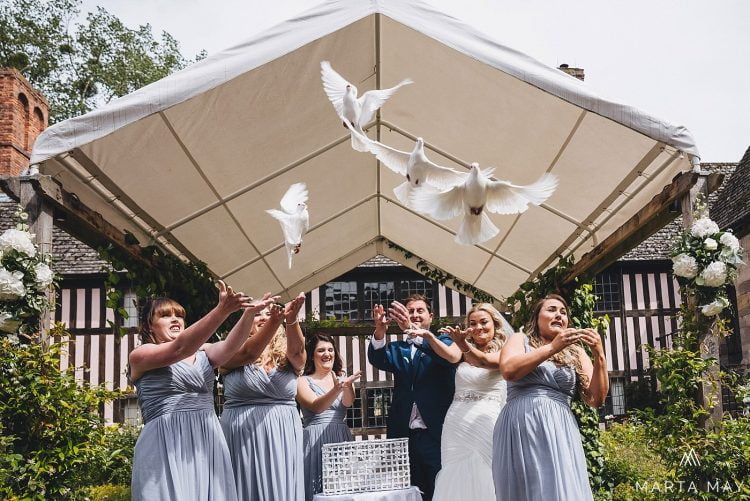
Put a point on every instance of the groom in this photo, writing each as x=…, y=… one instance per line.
x=423, y=389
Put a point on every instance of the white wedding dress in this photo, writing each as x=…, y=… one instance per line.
x=466, y=443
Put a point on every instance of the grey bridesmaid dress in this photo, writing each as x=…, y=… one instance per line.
x=537, y=452
x=319, y=429
x=181, y=453
x=264, y=434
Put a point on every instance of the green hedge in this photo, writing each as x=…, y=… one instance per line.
x=53, y=442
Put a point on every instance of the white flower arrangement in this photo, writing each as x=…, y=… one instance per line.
x=710, y=244
x=25, y=279
x=713, y=275
x=44, y=275
x=705, y=261
x=704, y=227
x=18, y=240
x=714, y=307
x=11, y=284
x=684, y=266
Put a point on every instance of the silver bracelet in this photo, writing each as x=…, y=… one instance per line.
x=296, y=320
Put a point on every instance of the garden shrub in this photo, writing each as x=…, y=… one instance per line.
x=108, y=493
x=51, y=429
x=628, y=456
x=114, y=455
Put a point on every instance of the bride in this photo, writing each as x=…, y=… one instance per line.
x=466, y=447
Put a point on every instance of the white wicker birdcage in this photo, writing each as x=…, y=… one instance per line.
x=366, y=466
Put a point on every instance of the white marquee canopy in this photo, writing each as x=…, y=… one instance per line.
x=192, y=161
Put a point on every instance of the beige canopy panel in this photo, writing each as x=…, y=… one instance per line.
x=191, y=162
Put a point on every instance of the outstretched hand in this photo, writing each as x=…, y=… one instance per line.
x=400, y=314
x=231, y=301
x=291, y=309
x=378, y=315
x=459, y=336
x=277, y=313
x=261, y=304
x=347, y=382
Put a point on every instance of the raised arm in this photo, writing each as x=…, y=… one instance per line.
x=596, y=391
x=515, y=362
x=152, y=356
x=253, y=347
x=448, y=352
x=469, y=352
x=295, y=339
x=221, y=352
x=378, y=353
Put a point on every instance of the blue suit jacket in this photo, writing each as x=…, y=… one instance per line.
x=428, y=380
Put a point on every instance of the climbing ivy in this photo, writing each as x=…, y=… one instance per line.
x=190, y=284
x=445, y=278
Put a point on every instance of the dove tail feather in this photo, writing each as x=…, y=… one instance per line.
x=476, y=229
x=403, y=193
x=358, y=143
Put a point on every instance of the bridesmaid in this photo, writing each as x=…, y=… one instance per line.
x=260, y=421
x=324, y=397
x=538, y=453
x=181, y=453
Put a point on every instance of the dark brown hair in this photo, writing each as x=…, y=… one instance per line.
x=312, y=343
x=154, y=308
x=419, y=297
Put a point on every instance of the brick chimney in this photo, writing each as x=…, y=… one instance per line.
x=24, y=114
x=573, y=72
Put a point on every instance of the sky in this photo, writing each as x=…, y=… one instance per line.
x=685, y=61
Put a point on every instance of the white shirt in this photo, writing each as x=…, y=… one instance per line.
x=415, y=420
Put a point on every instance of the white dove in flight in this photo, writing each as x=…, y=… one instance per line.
x=356, y=111
x=420, y=172
x=294, y=218
x=478, y=195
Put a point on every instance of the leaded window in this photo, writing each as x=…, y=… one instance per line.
x=341, y=300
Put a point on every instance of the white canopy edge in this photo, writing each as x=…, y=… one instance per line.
x=318, y=22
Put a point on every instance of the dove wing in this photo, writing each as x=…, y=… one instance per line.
x=394, y=159
x=374, y=99
x=443, y=177
x=305, y=219
x=439, y=204
x=284, y=220
x=334, y=86
x=504, y=197
x=295, y=195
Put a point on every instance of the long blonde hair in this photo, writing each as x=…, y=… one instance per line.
x=568, y=356
x=275, y=353
x=502, y=328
